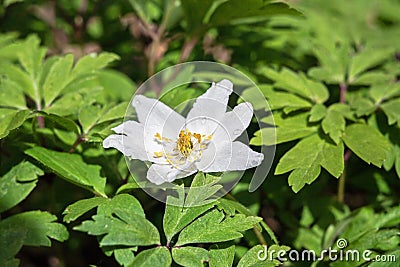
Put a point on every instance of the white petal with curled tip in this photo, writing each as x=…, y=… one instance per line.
x=134, y=150
x=234, y=123
x=210, y=107
x=131, y=142
x=151, y=111
x=159, y=174
x=229, y=156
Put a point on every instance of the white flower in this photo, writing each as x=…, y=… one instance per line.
x=179, y=147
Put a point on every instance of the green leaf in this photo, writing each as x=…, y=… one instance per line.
x=74, y=211
x=190, y=256
x=178, y=97
x=384, y=91
x=6, y=3
x=222, y=255
x=31, y=56
x=68, y=104
x=11, y=119
x=128, y=187
x=11, y=94
x=159, y=257
x=397, y=163
x=333, y=61
x=195, y=11
x=57, y=78
x=392, y=110
x=367, y=143
x=299, y=177
x=343, y=109
x=76, y=171
x=289, y=127
x=306, y=169
x=124, y=256
x=317, y=113
x=390, y=159
x=298, y=84
x=333, y=124
x=7, y=39
x=279, y=100
x=124, y=204
x=117, y=85
x=366, y=59
x=137, y=231
x=252, y=95
x=13, y=73
x=178, y=217
x=16, y=185
x=147, y=11
x=372, y=77
x=113, y=113
x=122, y=222
x=32, y=228
x=214, y=227
x=93, y=62
x=230, y=11
x=88, y=116
x=363, y=106
x=172, y=14
x=272, y=136
x=202, y=188
x=64, y=122
x=9, y=45
x=229, y=206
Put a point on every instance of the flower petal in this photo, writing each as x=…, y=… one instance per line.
x=210, y=107
x=159, y=174
x=128, y=127
x=234, y=123
x=133, y=149
x=131, y=141
x=151, y=111
x=229, y=156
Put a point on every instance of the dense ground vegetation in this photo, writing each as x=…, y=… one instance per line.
x=329, y=70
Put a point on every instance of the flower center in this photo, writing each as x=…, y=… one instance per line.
x=184, y=142
x=187, y=148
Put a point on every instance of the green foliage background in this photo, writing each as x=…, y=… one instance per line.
x=329, y=70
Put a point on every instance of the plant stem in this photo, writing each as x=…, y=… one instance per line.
x=187, y=48
x=342, y=178
x=343, y=92
x=259, y=236
x=78, y=141
x=40, y=120
x=38, y=103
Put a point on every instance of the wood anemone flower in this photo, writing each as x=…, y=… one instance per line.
x=177, y=146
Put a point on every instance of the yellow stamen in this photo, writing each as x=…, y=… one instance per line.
x=198, y=137
x=184, y=143
x=158, y=154
x=158, y=136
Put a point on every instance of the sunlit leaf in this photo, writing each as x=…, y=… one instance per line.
x=76, y=171
x=367, y=143
x=17, y=184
